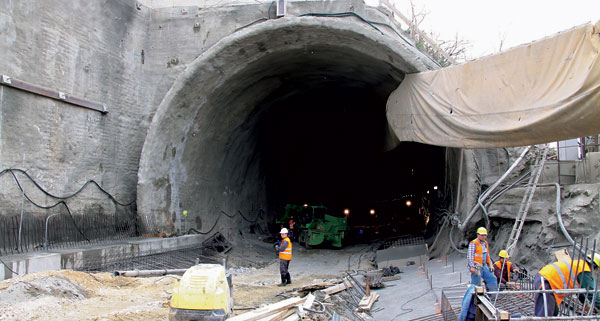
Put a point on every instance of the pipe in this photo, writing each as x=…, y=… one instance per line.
x=136, y=273
x=460, y=168
x=46, y=230
x=562, y=318
x=21, y=220
x=489, y=190
x=557, y=291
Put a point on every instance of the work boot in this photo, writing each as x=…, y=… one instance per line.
x=283, y=281
x=289, y=279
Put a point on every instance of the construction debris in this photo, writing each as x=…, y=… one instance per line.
x=346, y=298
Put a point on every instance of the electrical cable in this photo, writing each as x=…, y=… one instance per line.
x=47, y=207
x=91, y=181
x=8, y=267
x=247, y=220
x=409, y=310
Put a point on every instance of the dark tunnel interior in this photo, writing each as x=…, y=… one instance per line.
x=325, y=146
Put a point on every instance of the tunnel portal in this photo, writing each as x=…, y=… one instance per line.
x=289, y=111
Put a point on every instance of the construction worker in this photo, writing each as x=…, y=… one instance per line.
x=479, y=262
x=292, y=223
x=563, y=275
x=285, y=256
x=505, y=267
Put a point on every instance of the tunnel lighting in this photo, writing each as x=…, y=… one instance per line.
x=427, y=191
x=435, y=187
x=408, y=203
x=346, y=212
x=305, y=205
x=372, y=212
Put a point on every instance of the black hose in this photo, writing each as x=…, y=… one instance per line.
x=8, y=267
x=12, y=170
x=43, y=206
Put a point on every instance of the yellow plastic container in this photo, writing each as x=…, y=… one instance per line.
x=203, y=293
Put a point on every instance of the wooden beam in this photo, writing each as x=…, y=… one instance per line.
x=268, y=310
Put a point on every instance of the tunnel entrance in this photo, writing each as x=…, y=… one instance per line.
x=291, y=110
x=326, y=146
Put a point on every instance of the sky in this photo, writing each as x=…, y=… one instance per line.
x=484, y=23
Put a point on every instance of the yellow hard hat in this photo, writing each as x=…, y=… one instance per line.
x=482, y=230
x=596, y=259
x=503, y=254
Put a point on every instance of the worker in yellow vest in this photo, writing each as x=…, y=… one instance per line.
x=505, y=267
x=564, y=275
x=479, y=262
x=285, y=256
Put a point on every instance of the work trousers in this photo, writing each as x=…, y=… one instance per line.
x=488, y=277
x=539, y=299
x=283, y=270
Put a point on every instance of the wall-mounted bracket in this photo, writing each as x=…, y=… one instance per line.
x=57, y=95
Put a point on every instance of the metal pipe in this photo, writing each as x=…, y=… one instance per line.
x=460, y=169
x=557, y=291
x=571, y=317
x=545, y=296
x=46, y=230
x=21, y=220
x=136, y=273
x=491, y=188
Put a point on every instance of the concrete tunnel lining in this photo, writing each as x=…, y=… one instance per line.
x=200, y=151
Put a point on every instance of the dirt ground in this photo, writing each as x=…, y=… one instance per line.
x=71, y=295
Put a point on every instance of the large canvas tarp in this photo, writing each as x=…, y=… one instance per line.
x=541, y=92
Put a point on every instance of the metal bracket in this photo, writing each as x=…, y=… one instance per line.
x=6, y=79
x=57, y=95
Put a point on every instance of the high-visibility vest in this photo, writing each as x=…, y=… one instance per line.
x=479, y=252
x=287, y=253
x=559, y=273
x=506, y=267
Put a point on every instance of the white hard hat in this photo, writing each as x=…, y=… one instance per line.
x=283, y=231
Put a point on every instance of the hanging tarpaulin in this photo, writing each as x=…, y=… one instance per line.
x=548, y=90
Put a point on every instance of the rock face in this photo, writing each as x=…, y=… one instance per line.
x=541, y=234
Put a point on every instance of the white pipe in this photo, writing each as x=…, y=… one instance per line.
x=489, y=190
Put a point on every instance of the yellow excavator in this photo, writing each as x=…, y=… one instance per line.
x=202, y=294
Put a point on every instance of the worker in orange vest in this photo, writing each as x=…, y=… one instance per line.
x=479, y=262
x=564, y=275
x=505, y=267
x=285, y=256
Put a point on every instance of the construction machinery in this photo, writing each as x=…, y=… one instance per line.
x=314, y=225
x=203, y=293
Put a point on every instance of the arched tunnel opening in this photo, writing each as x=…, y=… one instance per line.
x=326, y=146
x=301, y=121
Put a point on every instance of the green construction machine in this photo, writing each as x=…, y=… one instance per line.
x=314, y=226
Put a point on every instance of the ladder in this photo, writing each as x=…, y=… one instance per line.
x=536, y=172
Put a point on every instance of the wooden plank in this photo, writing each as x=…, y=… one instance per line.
x=391, y=278
x=367, y=302
x=316, y=286
x=268, y=310
x=293, y=317
x=335, y=289
x=310, y=298
x=562, y=255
